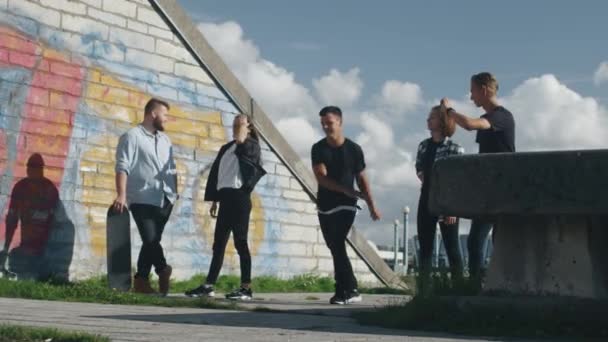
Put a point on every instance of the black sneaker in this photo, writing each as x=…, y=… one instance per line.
x=240, y=294
x=353, y=297
x=201, y=291
x=336, y=299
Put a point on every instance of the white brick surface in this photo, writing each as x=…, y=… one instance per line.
x=80, y=24
x=122, y=7
x=41, y=14
x=132, y=39
x=192, y=72
x=294, y=184
x=311, y=208
x=107, y=17
x=137, y=26
x=298, y=206
x=296, y=195
x=150, y=17
x=280, y=181
x=66, y=6
x=171, y=50
x=320, y=250
x=294, y=249
x=95, y=3
x=282, y=170
x=299, y=233
x=309, y=220
x=158, y=32
x=326, y=265
x=154, y=62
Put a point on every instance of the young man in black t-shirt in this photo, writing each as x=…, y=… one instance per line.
x=495, y=134
x=337, y=162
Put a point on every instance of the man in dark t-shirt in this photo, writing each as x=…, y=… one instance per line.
x=337, y=163
x=500, y=137
x=495, y=134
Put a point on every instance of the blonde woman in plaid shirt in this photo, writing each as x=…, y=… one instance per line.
x=438, y=146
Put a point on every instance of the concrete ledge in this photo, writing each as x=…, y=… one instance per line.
x=550, y=255
x=545, y=183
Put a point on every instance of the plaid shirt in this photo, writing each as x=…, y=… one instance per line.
x=447, y=148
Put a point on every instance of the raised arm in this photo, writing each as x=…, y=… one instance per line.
x=464, y=121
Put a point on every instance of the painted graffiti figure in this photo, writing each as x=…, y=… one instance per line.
x=233, y=176
x=33, y=203
x=495, y=134
x=146, y=182
x=438, y=146
x=337, y=162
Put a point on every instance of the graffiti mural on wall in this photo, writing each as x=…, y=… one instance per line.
x=60, y=119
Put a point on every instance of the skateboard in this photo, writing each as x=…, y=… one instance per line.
x=118, y=243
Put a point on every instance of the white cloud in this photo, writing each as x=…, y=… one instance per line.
x=375, y=133
x=601, y=74
x=400, y=97
x=551, y=116
x=387, y=163
x=340, y=89
x=227, y=39
x=300, y=134
x=272, y=86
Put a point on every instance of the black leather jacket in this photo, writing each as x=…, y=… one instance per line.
x=250, y=164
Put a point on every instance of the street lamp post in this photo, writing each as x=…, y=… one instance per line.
x=396, y=241
x=406, y=212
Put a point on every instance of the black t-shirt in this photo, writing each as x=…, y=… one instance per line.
x=501, y=136
x=343, y=164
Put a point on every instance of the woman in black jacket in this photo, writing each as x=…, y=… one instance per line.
x=234, y=173
x=438, y=146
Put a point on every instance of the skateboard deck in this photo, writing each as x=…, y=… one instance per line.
x=118, y=243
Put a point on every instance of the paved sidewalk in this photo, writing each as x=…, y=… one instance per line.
x=146, y=323
x=314, y=303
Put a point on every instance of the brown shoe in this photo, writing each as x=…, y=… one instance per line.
x=163, y=280
x=142, y=285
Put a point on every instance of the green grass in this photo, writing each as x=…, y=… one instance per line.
x=263, y=284
x=268, y=284
x=96, y=291
x=446, y=315
x=436, y=307
x=22, y=333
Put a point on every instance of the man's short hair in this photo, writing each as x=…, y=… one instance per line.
x=154, y=103
x=485, y=79
x=331, y=109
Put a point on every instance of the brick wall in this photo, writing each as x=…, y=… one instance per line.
x=75, y=75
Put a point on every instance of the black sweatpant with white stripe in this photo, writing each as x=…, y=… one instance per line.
x=335, y=228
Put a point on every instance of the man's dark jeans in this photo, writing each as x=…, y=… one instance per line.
x=477, y=245
x=151, y=221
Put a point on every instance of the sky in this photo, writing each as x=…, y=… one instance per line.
x=386, y=63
